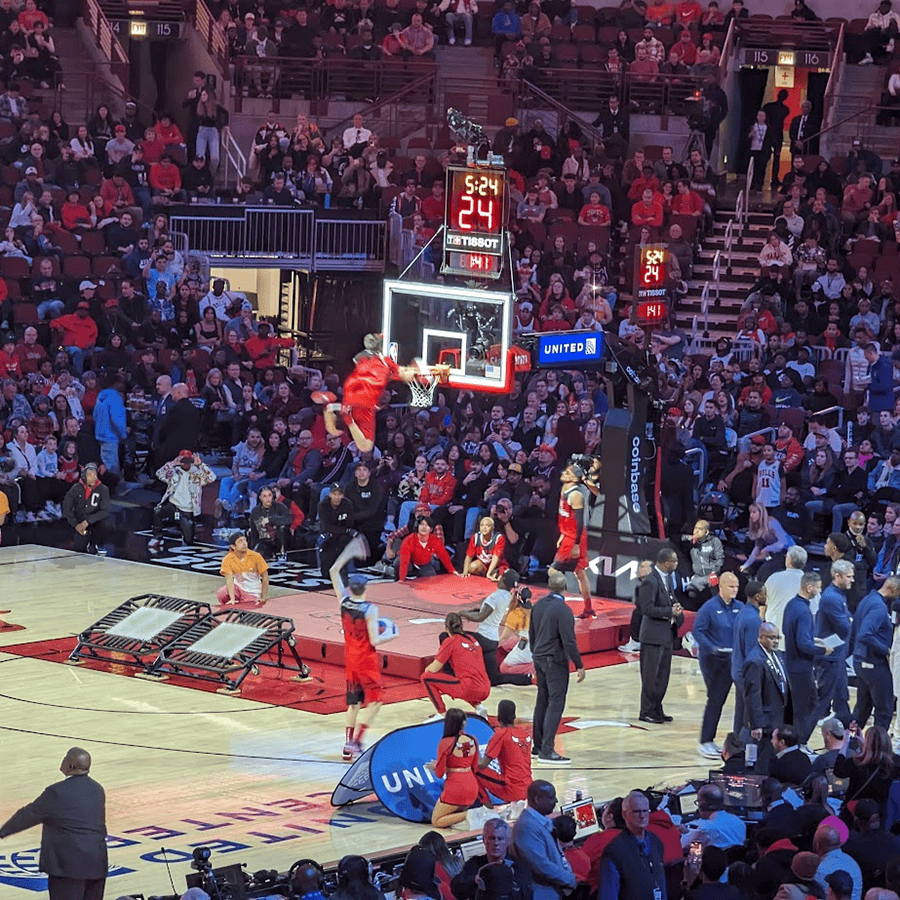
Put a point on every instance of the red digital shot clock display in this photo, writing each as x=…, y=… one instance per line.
x=651, y=282
x=475, y=211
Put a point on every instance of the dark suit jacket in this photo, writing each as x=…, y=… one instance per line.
x=73, y=842
x=179, y=430
x=792, y=768
x=810, y=127
x=655, y=605
x=766, y=706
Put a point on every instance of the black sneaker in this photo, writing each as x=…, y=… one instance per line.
x=554, y=759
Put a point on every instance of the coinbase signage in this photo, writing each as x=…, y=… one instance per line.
x=397, y=772
x=556, y=348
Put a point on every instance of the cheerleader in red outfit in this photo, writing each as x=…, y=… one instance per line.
x=571, y=548
x=469, y=681
x=457, y=757
x=363, y=388
x=510, y=745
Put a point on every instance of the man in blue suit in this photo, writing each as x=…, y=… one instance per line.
x=801, y=651
x=745, y=639
x=871, y=636
x=833, y=619
x=713, y=631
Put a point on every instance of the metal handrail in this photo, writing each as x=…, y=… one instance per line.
x=750, y=172
x=232, y=156
x=870, y=107
x=834, y=78
x=717, y=271
x=704, y=309
x=561, y=109
x=729, y=241
x=216, y=42
x=727, y=50
x=738, y=216
x=106, y=39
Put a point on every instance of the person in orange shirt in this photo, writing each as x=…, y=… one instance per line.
x=645, y=180
x=79, y=334
x=647, y=211
x=246, y=574
x=687, y=13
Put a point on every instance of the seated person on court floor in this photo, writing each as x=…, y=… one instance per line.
x=269, y=524
x=418, y=551
x=184, y=479
x=246, y=574
x=484, y=555
x=86, y=508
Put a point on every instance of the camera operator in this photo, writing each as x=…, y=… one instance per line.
x=489, y=616
x=506, y=525
x=269, y=523
x=184, y=478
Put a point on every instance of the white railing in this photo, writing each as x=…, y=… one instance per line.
x=717, y=279
x=750, y=170
x=739, y=216
x=729, y=240
x=704, y=308
x=234, y=161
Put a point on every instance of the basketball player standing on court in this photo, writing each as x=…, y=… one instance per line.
x=359, y=621
x=362, y=390
x=571, y=548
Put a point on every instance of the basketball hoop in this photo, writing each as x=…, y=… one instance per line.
x=422, y=385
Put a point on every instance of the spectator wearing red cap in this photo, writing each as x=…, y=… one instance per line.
x=119, y=146
x=78, y=334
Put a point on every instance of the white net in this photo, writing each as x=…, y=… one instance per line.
x=421, y=389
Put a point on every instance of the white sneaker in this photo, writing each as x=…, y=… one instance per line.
x=867, y=60
x=709, y=750
x=482, y=710
x=30, y=517
x=451, y=40
x=437, y=717
x=468, y=42
x=630, y=647
x=154, y=545
x=890, y=46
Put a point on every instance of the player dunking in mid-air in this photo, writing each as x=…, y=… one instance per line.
x=571, y=548
x=372, y=373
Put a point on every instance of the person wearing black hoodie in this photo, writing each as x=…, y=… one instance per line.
x=86, y=508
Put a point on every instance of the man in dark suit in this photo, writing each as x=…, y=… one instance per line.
x=776, y=115
x=73, y=842
x=661, y=616
x=802, y=128
x=766, y=691
x=180, y=426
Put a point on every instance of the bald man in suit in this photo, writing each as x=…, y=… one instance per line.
x=73, y=843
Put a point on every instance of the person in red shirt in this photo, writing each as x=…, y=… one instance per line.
x=29, y=351
x=263, y=348
x=359, y=622
x=457, y=758
x=687, y=12
x=165, y=179
x=362, y=391
x=469, y=681
x=645, y=180
x=647, y=211
x=594, y=212
x=510, y=746
x=571, y=548
x=484, y=555
x=437, y=490
x=10, y=362
x=685, y=49
x=433, y=205
x=417, y=553
x=686, y=202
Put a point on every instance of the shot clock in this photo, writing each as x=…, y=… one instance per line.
x=475, y=220
x=650, y=277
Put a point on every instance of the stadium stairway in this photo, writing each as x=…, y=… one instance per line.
x=860, y=86
x=733, y=284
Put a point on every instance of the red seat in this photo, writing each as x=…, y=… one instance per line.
x=102, y=264
x=560, y=34
x=584, y=34
x=25, y=313
x=14, y=267
x=67, y=242
x=77, y=267
x=93, y=243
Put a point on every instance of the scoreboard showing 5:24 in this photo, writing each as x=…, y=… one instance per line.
x=475, y=220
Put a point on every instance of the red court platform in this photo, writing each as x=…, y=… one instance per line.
x=418, y=608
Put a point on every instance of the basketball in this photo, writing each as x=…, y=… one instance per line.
x=387, y=629
x=322, y=397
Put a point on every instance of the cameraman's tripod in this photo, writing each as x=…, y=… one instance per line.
x=696, y=141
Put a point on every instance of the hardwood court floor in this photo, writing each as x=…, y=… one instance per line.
x=184, y=768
